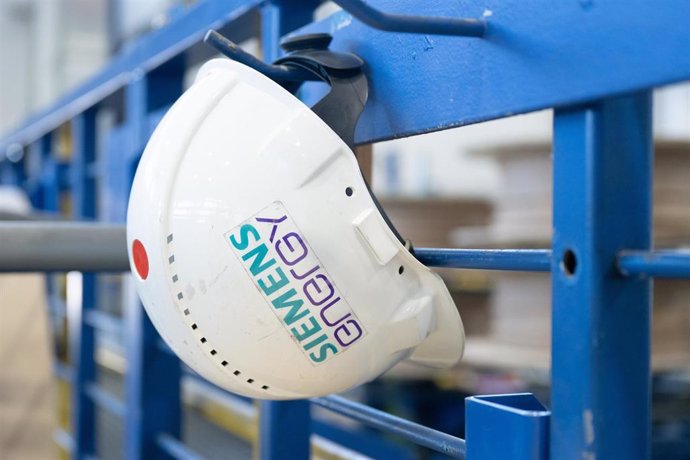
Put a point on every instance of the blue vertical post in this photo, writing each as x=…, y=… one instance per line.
x=39, y=183
x=601, y=320
x=284, y=430
x=284, y=427
x=152, y=383
x=50, y=180
x=82, y=345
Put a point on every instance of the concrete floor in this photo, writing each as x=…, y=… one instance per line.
x=27, y=411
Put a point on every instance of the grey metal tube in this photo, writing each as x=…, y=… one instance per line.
x=32, y=246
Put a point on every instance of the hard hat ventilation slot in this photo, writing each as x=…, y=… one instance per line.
x=195, y=327
x=401, y=270
x=349, y=191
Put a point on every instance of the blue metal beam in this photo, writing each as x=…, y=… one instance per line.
x=533, y=56
x=176, y=449
x=105, y=400
x=600, y=381
x=569, y=65
x=152, y=382
x=82, y=340
x=658, y=264
x=284, y=430
x=104, y=322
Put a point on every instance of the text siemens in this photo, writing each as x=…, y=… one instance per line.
x=298, y=289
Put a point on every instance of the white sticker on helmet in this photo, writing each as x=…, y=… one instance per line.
x=296, y=286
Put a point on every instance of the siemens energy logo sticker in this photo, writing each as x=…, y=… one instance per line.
x=282, y=265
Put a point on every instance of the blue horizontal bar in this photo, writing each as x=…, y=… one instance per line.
x=105, y=400
x=104, y=322
x=64, y=440
x=370, y=445
x=531, y=260
x=658, y=264
x=63, y=371
x=419, y=434
x=176, y=449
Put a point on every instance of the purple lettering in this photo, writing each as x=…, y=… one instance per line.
x=323, y=311
x=286, y=239
x=318, y=289
x=301, y=277
x=344, y=330
x=269, y=220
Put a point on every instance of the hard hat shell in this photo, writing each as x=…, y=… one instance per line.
x=260, y=256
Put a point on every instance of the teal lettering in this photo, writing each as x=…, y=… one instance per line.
x=306, y=330
x=323, y=352
x=314, y=343
x=243, y=243
x=273, y=284
x=259, y=254
x=294, y=305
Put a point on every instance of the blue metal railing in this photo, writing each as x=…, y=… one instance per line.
x=530, y=56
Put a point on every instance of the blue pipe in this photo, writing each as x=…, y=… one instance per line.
x=531, y=260
x=658, y=264
x=419, y=434
x=433, y=25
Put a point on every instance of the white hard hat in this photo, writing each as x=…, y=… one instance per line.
x=262, y=258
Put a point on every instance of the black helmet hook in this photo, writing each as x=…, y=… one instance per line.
x=309, y=59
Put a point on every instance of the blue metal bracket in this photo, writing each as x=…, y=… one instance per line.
x=514, y=426
x=433, y=25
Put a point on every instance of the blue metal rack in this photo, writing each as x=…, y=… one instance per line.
x=594, y=62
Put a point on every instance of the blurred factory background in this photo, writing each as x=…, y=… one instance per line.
x=478, y=186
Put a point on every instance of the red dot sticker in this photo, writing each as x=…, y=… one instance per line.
x=141, y=260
